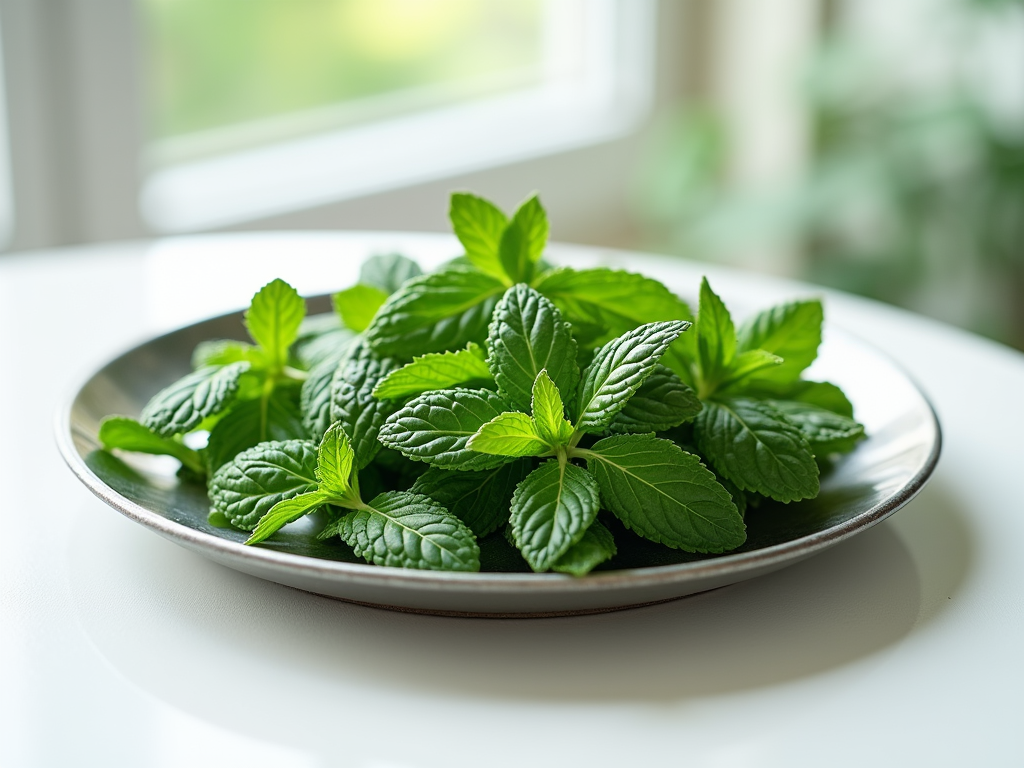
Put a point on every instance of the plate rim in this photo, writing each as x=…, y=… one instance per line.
x=492, y=581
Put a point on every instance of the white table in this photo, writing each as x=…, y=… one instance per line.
x=900, y=647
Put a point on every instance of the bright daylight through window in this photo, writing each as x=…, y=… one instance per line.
x=266, y=106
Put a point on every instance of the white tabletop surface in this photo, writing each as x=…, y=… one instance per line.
x=903, y=646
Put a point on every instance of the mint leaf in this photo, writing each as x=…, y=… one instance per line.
x=526, y=336
x=273, y=320
x=550, y=511
x=322, y=337
x=480, y=499
x=225, y=352
x=619, y=369
x=819, y=393
x=596, y=546
x=665, y=494
x=549, y=413
x=509, y=434
x=129, y=435
x=388, y=271
x=250, y=485
x=334, y=459
x=442, y=310
x=357, y=305
x=523, y=240
x=437, y=370
x=751, y=443
x=479, y=226
x=716, y=337
x=315, y=399
x=662, y=402
x=745, y=367
x=792, y=331
x=353, y=403
x=284, y=512
x=436, y=426
x=827, y=432
x=252, y=422
x=182, y=406
x=407, y=530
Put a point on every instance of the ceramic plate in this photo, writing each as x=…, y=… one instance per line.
x=885, y=471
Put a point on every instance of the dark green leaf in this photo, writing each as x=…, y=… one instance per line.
x=551, y=510
x=316, y=392
x=596, y=546
x=388, y=271
x=751, y=443
x=662, y=402
x=182, y=406
x=408, y=530
x=252, y=422
x=716, y=337
x=321, y=338
x=665, y=494
x=819, y=393
x=827, y=432
x=353, y=404
x=480, y=499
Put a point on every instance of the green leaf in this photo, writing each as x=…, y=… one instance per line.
x=551, y=510
x=353, y=404
x=225, y=352
x=480, y=499
x=334, y=459
x=315, y=399
x=129, y=435
x=819, y=393
x=437, y=370
x=284, y=512
x=610, y=301
x=321, y=338
x=665, y=494
x=618, y=370
x=274, y=318
x=596, y=546
x=523, y=240
x=549, y=413
x=388, y=271
x=662, y=402
x=252, y=422
x=509, y=434
x=182, y=406
x=745, y=367
x=716, y=337
x=436, y=426
x=250, y=485
x=442, y=310
x=479, y=226
x=792, y=331
x=407, y=530
x=751, y=443
x=528, y=335
x=357, y=305
x=827, y=432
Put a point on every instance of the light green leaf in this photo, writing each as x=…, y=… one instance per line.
x=274, y=318
x=618, y=370
x=551, y=510
x=610, y=302
x=442, y=310
x=334, y=459
x=751, y=443
x=182, y=406
x=549, y=413
x=665, y=494
x=284, y=512
x=436, y=426
x=357, y=305
x=437, y=370
x=528, y=335
x=596, y=546
x=388, y=271
x=479, y=226
x=523, y=240
x=662, y=402
x=251, y=422
x=792, y=331
x=509, y=434
x=827, y=432
x=716, y=337
x=225, y=352
x=129, y=435
x=407, y=530
x=480, y=499
x=353, y=403
x=745, y=367
x=249, y=486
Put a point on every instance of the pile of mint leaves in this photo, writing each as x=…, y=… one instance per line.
x=501, y=396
